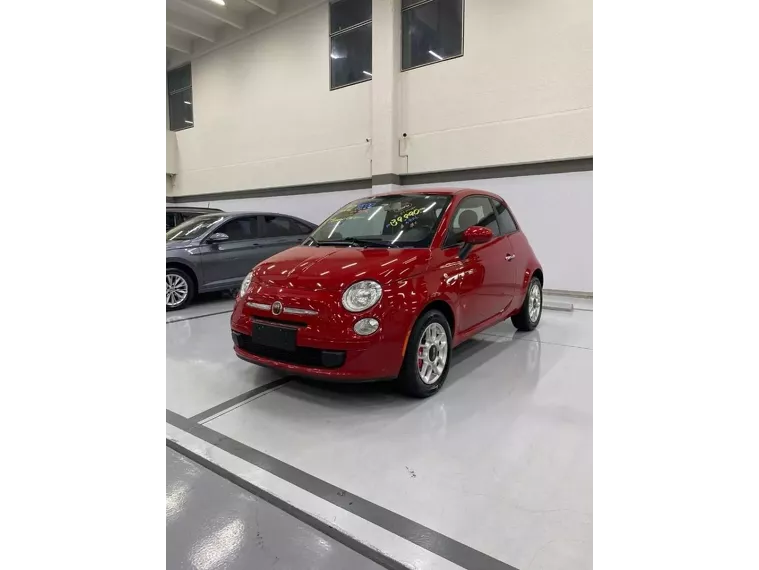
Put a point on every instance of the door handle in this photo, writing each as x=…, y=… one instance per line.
x=510, y=256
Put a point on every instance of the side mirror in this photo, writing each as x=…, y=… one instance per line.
x=477, y=234
x=472, y=236
x=217, y=237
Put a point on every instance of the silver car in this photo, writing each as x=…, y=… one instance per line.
x=214, y=252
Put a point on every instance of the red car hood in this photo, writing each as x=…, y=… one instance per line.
x=334, y=268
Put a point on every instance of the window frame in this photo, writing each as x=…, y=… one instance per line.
x=448, y=232
x=463, y=27
x=332, y=34
x=169, y=93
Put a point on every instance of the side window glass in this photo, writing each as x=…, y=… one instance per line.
x=472, y=211
x=301, y=229
x=169, y=221
x=505, y=221
x=277, y=226
x=240, y=229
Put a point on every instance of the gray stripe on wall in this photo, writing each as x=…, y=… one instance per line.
x=340, y=186
x=531, y=169
x=381, y=179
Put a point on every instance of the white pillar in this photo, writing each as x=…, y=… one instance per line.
x=386, y=64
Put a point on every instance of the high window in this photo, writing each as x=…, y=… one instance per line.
x=433, y=31
x=350, y=42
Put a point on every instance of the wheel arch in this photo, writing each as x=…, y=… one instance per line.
x=539, y=274
x=444, y=307
x=186, y=268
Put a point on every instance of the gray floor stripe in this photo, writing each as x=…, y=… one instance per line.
x=363, y=549
x=197, y=317
x=202, y=416
x=444, y=546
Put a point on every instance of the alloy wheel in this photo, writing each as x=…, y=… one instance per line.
x=176, y=289
x=432, y=353
x=535, y=302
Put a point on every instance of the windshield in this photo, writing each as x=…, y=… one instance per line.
x=403, y=220
x=193, y=228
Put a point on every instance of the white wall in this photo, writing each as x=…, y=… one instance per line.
x=522, y=92
x=265, y=117
x=312, y=207
x=556, y=213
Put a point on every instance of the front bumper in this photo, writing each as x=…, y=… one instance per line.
x=342, y=365
x=327, y=348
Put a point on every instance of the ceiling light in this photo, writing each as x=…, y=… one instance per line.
x=367, y=73
x=219, y=2
x=436, y=55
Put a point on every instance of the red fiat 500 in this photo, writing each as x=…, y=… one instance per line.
x=387, y=286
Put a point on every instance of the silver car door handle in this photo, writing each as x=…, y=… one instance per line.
x=510, y=256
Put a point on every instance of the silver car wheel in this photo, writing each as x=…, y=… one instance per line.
x=176, y=289
x=535, y=302
x=432, y=353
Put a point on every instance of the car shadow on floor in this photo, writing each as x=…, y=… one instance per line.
x=466, y=359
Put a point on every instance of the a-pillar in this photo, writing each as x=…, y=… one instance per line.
x=387, y=164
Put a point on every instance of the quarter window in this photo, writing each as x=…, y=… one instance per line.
x=432, y=31
x=179, y=83
x=350, y=39
x=279, y=226
x=505, y=221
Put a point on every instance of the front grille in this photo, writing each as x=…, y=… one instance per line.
x=280, y=321
x=302, y=355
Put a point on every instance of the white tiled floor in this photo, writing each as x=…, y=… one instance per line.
x=500, y=459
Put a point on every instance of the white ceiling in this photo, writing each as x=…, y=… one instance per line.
x=196, y=26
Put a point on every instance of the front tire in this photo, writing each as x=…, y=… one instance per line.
x=180, y=289
x=529, y=315
x=428, y=356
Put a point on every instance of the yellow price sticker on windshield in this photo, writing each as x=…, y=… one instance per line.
x=399, y=219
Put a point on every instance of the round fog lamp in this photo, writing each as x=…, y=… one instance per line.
x=366, y=326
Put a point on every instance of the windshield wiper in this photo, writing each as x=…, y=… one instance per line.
x=359, y=241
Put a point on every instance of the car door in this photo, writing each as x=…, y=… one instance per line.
x=485, y=273
x=516, y=256
x=226, y=263
x=280, y=233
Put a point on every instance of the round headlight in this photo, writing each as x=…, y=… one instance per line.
x=361, y=296
x=366, y=326
x=246, y=283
